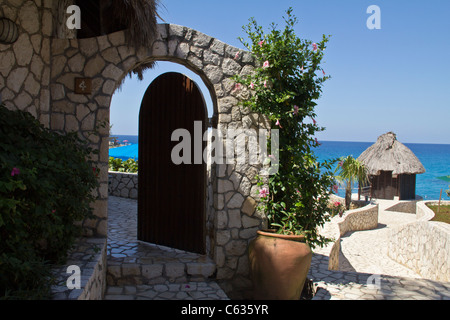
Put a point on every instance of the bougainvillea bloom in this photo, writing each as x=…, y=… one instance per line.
x=266, y=64
x=236, y=56
x=263, y=193
x=335, y=188
x=252, y=85
x=296, y=110
x=15, y=172
x=261, y=43
x=314, y=46
x=278, y=124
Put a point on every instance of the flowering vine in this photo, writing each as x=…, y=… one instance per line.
x=295, y=199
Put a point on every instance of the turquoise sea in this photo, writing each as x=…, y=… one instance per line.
x=434, y=157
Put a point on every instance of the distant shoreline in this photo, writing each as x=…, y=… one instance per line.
x=337, y=141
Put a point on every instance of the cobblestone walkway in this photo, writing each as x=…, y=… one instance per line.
x=141, y=271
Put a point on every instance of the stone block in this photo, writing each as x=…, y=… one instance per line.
x=205, y=269
x=130, y=269
x=236, y=248
x=248, y=222
x=16, y=79
x=94, y=66
x=234, y=219
x=249, y=206
x=236, y=201
x=152, y=271
x=175, y=270
x=28, y=17
x=221, y=220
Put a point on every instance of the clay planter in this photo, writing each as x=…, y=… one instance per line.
x=279, y=265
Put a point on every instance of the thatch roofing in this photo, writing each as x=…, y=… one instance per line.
x=388, y=154
x=137, y=17
x=140, y=18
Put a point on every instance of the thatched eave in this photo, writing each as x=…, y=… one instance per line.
x=137, y=18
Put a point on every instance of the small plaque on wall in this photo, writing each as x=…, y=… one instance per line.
x=83, y=85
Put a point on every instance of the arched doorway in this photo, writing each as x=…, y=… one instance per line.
x=171, y=197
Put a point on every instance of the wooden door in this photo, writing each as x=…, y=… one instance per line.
x=171, y=198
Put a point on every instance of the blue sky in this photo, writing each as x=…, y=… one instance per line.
x=392, y=79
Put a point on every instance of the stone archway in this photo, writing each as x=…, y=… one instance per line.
x=232, y=218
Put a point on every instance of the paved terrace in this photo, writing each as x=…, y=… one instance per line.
x=142, y=271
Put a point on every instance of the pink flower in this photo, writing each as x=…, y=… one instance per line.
x=266, y=64
x=15, y=172
x=302, y=68
x=314, y=121
x=237, y=86
x=335, y=188
x=323, y=71
x=337, y=203
x=261, y=43
x=278, y=124
x=317, y=141
x=314, y=45
x=263, y=193
x=265, y=83
x=295, y=109
x=252, y=85
x=236, y=56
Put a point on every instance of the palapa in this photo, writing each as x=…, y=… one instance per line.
x=388, y=154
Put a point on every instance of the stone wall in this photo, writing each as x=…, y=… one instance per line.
x=122, y=184
x=38, y=72
x=423, y=246
x=25, y=65
x=365, y=218
x=89, y=254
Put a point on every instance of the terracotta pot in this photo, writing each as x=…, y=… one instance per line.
x=279, y=265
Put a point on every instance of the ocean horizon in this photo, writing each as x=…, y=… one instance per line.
x=434, y=157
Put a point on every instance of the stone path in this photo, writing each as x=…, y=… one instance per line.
x=141, y=271
x=367, y=273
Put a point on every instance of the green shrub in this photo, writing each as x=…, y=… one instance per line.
x=117, y=164
x=46, y=183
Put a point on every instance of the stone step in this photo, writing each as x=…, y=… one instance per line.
x=141, y=271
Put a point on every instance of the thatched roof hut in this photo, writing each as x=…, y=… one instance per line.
x=392, y=168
